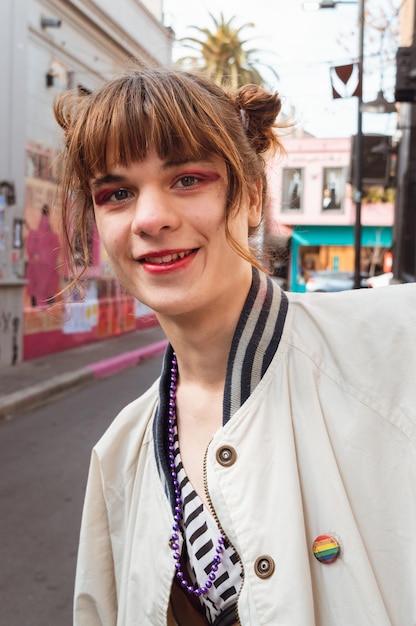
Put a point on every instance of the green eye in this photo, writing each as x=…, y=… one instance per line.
x=188, y=181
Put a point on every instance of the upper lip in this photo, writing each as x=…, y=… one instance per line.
x=166, y=255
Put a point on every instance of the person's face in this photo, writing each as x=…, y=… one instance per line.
x=163, y=227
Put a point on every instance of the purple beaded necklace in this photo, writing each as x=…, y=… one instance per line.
x=178, y=511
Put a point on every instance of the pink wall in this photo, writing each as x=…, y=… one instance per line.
x=313, y=155
x=63, y=326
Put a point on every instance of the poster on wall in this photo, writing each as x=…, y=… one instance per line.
x=18, y=234
x=2, y=222
x=80, y=317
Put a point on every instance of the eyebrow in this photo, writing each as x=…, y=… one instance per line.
x=107, y=178
x=118, y=178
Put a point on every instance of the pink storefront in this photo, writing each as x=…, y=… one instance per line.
x=312, y=196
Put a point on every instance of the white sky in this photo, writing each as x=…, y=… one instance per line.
x=302, y=47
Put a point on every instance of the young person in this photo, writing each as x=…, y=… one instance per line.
x=268, y=477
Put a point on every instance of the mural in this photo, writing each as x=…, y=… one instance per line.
x=52, y=322
x=40, y=233
x=42, y=253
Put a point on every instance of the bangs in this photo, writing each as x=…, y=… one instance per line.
x=121, y=123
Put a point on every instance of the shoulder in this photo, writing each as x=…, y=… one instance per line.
x=364, y=340
x=356, y=311
x=391, y=293
x=122, y=442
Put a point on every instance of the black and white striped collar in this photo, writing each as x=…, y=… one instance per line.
x=256, y=339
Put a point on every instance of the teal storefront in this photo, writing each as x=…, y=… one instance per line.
x=371, y=236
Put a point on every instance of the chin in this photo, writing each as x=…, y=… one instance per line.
x=182, y=307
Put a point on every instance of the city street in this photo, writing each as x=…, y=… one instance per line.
x=44, y=457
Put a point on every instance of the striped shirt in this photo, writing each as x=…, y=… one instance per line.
x=256, y=339
x=201, y=535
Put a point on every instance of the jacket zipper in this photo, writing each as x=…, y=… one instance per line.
x=217, y=521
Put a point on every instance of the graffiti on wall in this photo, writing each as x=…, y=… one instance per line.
x=9, y=337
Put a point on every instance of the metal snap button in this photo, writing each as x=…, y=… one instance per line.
x=264, y=566
x=226, y=456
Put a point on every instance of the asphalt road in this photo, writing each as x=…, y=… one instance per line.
x=44, y=457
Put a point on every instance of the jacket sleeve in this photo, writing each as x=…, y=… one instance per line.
x=95, y=600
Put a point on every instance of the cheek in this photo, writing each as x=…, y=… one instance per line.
x=238, y=225
x=100, y=226
x=110, y=233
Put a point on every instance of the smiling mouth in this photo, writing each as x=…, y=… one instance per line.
x=166, y=258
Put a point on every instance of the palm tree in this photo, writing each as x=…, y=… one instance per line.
x=222, y=54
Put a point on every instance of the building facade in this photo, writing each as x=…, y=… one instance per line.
x=311, y=194
x=51, y=46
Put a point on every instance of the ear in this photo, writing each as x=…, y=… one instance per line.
x=255, y=208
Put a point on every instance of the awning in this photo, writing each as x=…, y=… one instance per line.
x=371, y=236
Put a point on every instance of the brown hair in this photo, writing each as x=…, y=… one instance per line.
x=180, y=114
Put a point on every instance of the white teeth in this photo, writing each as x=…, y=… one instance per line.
x=168, y=258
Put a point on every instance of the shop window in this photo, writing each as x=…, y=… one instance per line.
x=333, y=188
x=292, y=189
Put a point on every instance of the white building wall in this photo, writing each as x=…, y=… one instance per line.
x=138, y=22
x=155, y=7
x=95, y=40
x=13, y=50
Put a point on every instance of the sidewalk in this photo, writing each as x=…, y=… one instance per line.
x=28, y=384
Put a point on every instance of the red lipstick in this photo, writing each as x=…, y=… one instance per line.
x=165, y=261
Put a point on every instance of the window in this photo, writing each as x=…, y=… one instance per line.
x=292, y=189
x=39, y=163
x=333, y=188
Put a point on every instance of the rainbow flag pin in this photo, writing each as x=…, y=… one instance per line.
x=326, y=549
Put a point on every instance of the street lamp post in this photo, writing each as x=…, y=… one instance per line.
x=358, y=148
x=358, y=173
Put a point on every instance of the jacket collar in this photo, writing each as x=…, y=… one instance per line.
x=256, y=339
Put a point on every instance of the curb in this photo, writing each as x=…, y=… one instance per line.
x=31, y=396
x=35, y=394
x=117, y=363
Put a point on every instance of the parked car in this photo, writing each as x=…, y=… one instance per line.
x=382, y=280
x=330, y=280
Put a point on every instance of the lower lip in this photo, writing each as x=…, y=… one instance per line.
x=166, y=268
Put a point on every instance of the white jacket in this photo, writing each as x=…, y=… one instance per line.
x=325, y=444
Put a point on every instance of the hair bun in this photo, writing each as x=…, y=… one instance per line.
x=259, y=110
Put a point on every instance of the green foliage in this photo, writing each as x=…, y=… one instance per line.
x=223, y=56
x=375, y=195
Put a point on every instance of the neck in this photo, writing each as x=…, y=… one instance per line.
x=202, y=341
x=202, y=349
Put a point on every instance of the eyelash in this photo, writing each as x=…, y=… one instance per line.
x=195, y=180
x=104, y=196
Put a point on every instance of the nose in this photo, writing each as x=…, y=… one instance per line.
x=153, y=213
